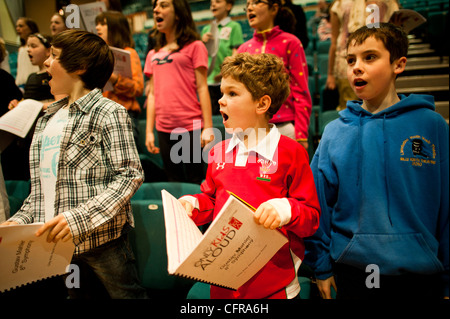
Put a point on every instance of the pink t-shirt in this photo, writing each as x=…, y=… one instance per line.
x=175, y=88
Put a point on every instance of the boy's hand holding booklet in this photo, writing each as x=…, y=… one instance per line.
x=25, y=258
x=232, y=250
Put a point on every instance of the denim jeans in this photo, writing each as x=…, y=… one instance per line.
x=112, y=266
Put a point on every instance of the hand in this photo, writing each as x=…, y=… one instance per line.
x=206, y=37
x=150, y=143
x=9, y=223
x=207, y=136
x=187, y=206
x=114, y=78
x=331, y=82
x=13, y=104
x=324, y=287
x=267, y=216
x=58, y=229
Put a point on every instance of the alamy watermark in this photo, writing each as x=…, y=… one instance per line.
x=187, y=151
x=373, y=279
x=73, y=276
x=373, y=19
x=73, y=19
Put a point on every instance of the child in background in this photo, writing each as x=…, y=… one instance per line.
x=225, y=41
x=37, y=88
x=85, y=195
x=382, y=176
x=24, y=27
x=266, y=169
x=8, y=90
x=57, y=24
x=113, y=27
x=346, y=16
x=272, y=23
x=178, y=99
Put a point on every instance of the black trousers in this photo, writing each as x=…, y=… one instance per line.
x=182, y=156
x=351, y=284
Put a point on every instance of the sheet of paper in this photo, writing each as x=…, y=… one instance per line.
x=88, y=12
x=122, y=65
x=182, y=233
x=20, y=119
x=408, y=19
x=232, y=250
x=26, y=258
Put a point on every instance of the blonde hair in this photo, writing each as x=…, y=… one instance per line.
x=262, y=74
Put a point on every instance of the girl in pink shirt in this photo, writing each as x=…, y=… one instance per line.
x=178, y=99
x=271, y=22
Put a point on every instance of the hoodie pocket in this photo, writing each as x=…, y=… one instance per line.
x=394, y=254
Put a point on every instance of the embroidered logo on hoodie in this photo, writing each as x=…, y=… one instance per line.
x=418, y=150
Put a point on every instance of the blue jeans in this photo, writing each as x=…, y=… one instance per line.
x=111, y=266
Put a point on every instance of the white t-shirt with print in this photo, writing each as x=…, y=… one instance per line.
x=51, y=141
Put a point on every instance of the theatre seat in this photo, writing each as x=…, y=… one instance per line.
x=148, y=241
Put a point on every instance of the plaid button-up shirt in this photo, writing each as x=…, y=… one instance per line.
x=98, y=171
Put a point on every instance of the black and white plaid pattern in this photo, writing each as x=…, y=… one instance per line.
x=98, y=171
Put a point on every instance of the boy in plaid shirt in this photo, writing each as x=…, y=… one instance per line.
x=85, y=167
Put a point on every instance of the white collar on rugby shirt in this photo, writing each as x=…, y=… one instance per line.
x=265, y=148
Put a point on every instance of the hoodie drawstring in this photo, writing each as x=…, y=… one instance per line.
x=360, y=157
x=386, y=168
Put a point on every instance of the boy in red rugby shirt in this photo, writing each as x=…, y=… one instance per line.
x=266, y=169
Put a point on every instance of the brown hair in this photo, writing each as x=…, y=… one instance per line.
x=285, y=18
x=46, y=40
x=82, y=50
x=119, y=32
x=262, y=74
x=185, y=29
x=393, y=38
x=31, y=25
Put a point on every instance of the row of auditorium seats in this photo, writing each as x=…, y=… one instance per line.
x=148, y=241
x=427, y=67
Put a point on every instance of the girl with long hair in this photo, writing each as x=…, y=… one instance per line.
x=179, y=104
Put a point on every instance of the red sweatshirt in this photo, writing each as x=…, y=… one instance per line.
x=286, y=175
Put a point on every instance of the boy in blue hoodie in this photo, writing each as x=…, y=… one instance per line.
x=382, y=176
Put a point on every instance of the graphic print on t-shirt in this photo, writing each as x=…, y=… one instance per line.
x=51, y=142
x=164, y=60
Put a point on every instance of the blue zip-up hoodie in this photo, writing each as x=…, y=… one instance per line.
x=383, y=186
